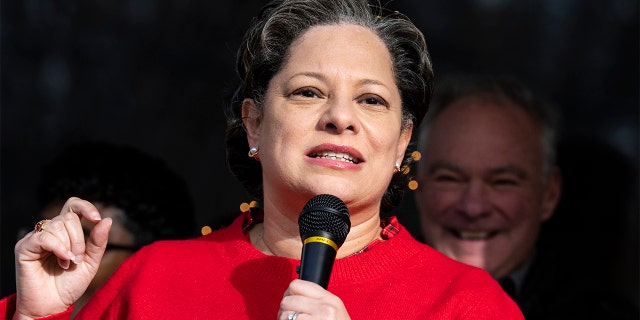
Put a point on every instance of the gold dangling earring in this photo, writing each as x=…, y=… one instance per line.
x=253, y=153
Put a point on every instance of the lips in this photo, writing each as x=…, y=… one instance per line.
x=336, y=152
x=339, y=156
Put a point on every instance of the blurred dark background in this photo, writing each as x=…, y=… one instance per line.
x=156, y=75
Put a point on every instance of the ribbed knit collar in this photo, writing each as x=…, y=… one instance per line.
x=377, y=262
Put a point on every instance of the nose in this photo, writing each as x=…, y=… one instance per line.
x=340, y=115
x=474, y=203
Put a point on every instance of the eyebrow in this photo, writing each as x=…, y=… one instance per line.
x=373, y=82
x=507, y=169
x=443, y=165
x=315, y=75
x=320, y=76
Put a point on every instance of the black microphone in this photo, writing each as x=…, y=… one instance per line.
x=324, y=225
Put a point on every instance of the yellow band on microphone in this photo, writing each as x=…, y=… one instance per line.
x=324, y=240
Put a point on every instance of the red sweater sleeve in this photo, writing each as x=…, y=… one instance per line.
x=106, y=300
x=490, y=302
x=8, y=309
x=8, y=306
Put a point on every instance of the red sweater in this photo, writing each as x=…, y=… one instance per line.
x=222, y=276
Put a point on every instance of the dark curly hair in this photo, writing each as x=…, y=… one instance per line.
x=156, y=201
x=264, y=50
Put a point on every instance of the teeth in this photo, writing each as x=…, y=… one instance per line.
x=473, y=235
x=335, y=156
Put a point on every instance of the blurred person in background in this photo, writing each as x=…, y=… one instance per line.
x=146, y=200
x=488, y=180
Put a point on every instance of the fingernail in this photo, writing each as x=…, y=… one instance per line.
x=77, y=259
x=64, y=264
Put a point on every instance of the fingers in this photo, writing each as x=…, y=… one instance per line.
x=283, y=315
x=58, y=242
x=47, y=243
x=67, y=229
x=64, y=237
x=74, y=210
x=97, y=242
x=297, y=300
x=302, y=287
x=308, y=300
x=82, y=208
x=67, y=226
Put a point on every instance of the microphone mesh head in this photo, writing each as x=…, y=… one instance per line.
x=325, y=212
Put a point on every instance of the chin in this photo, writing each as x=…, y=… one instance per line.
x=476, y=262
x=467, y=256
x=337, y=189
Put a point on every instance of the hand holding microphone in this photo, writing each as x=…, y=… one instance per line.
x=324, y=225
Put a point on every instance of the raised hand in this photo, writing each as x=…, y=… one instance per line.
x=55, y=264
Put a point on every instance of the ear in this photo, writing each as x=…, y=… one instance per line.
x=551, y=194
x=403, y=142
x=251, y=117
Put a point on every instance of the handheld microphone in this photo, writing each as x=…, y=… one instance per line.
x=324, y=224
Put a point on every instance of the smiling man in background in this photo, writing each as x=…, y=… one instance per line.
x=488, y=180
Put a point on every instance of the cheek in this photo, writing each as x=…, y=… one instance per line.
x=380, y=139
x=439, y=202
x=279, y=131
x=434, y=206
x=516, y=206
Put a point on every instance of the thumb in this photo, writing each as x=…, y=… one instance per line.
x=97, y=242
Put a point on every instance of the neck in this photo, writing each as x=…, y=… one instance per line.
x=279, y=235
x=360, y=236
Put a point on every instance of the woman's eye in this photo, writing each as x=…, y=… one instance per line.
x=374, y=101
x=305, y=92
